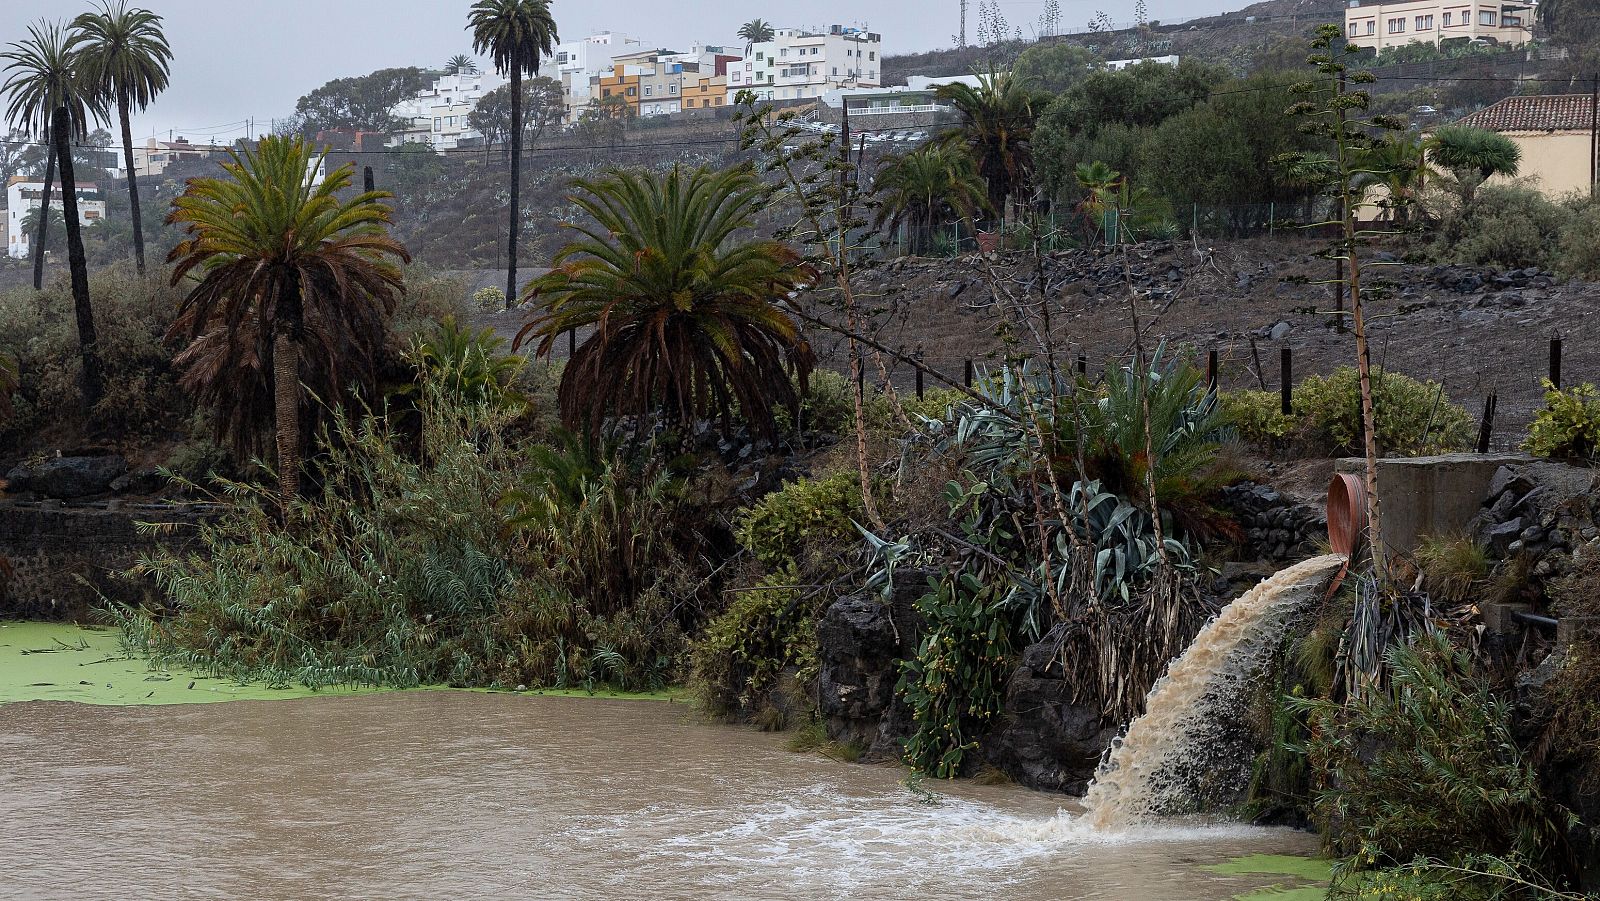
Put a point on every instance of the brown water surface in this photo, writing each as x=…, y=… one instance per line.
x=458, y=795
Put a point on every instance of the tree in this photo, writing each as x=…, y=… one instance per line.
x=62, y=131
x=1055, y=68
x=996, y=129
x=1474, y=155
x=927, y=186
x=516, y=34
x=685, y=314
x=17, y=155
x=44, y=75
x=460, y=64
x=56, y=230
x=126, y=56
x=363, y=103
x=754, y=32
x=286, y=272
x=543, y=105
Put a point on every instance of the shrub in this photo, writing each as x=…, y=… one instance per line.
x=829, y=405
x=1569, y=424
x=935, y=403
x=1580, y=244
x=469, y=364
x=806, y=512
x=768, y=629
x=1506, y=226
x=1257, y=416
x=1428, y=768
x=1414, y=418
x=1453, y=567
x=490, y=299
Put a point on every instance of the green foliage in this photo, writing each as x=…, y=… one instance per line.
x=926, y=188
x=360, y=103
x=1568, y=426
x=1257, y=416
x=996, y=127
x=542, y=107
x=142, y=397
x=1507, y=226
x=693, y=327
x=1476, y=151
x=1414, y=418
x=1453, y=567
x=490, y=299
x=467, y=364
x=809, y=512
x=1580, y=243
x=768, y=629
x=1428, y=767
x=955, y=685
x=1054, y=67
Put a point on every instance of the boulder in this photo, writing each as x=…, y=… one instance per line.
x=1042, y=738
x=68, y=477
x=859, y=647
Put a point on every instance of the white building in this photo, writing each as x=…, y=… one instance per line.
x=24, y=195
x=915, y=96
x=797, y=64
x=1395, y=23
x=438, y=115
x=1116, y=65
x=154, y=156
x=576, y=63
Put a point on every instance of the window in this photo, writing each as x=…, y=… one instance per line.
x=1353, y=29
x=1510, y=21
x=672, y=89
x=450, y=121
x=872, y=55
x=1447, y=19
x=632, y=91
x=647, y=90
x=1486, y=17
x=836, y=70
x=435, y=124
x=1424, y=23
x=759, y=55
x=1372, y=26
x=784, y=52
x=1397, y=26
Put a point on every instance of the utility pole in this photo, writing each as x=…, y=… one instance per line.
x=1594, y=136
x=963, y=23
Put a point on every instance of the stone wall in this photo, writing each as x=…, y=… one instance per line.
x=62, y=559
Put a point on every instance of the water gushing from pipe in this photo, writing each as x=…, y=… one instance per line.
x=1179, y=751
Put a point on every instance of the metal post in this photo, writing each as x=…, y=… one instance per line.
x=1287, y=387
x=1212, y=367
x=968, y=374
x=1083, y=364
x=919, y=383
x=572, y=344
x=1555, y=362
x=367, y=181
x=1486, y=426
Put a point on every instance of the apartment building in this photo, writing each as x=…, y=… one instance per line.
x=438, y=115
x=798, y=64
x=24, y=195
x=154, y=156
x=1386, y=24
x=705, y=92
x=576, y=64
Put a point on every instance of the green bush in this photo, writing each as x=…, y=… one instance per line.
x=1580, y=244
x=1568, y=426
x=935, y=403
x=1257, y=416
x=1508, y=226
x=768, y=629
x=808, y=512
x=490, y=299
x=829, y=405
x=1427, y=767
x=1414, y=418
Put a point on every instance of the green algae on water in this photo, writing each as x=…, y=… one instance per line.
x=1306, y=868
x=89, y=665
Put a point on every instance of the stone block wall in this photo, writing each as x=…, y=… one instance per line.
x=62, y=559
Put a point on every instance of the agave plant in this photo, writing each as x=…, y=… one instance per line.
x=685, y=316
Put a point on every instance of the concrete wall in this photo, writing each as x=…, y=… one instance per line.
x=1558, y=162
x=1423, y=496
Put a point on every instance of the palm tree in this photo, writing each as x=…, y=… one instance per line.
x=1475, y=155
x=125, y=54
x=686, y=316
x=44, y=74
x=754, y=32
x=997, y=121
x=460, y=64
x=1400, y=167
x=516, y=34
x=926, y=186
x=285, y=271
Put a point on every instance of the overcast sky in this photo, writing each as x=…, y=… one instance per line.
x=234, y=60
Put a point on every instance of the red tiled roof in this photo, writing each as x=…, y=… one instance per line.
x=1550, y=112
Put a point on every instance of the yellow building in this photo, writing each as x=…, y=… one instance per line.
x=1387, y=23
x=1556, y=134
x=704, y=93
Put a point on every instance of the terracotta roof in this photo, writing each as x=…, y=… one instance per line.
x=1550, y=112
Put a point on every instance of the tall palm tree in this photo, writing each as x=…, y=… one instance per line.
x=1475, y=155
x=285, y=271
x=516, y=34
x=686, y=316
x=460, y=64
x=125, y=54
x=996, y=128
x=62, y=130
x=754, y=32
x=932, y=183
x=44, y=74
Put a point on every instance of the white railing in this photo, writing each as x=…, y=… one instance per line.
x=885, y=110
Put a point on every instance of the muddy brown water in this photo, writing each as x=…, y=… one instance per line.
x=461, y=795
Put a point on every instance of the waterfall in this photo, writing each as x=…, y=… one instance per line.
x=1183, y=747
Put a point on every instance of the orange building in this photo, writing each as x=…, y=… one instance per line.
x=704, y=93
x=622, y=82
